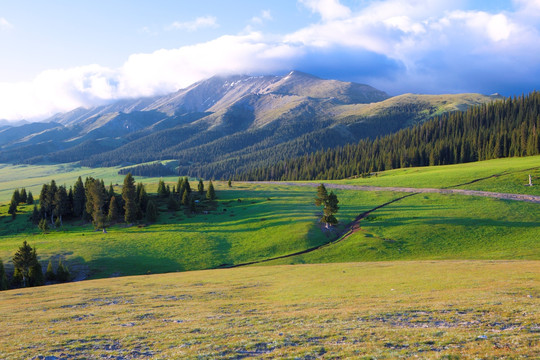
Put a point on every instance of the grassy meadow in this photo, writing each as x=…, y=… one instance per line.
x=507, y=175
x=252, y=222
x=384, y=310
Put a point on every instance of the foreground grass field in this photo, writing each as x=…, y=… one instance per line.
x=385, y=310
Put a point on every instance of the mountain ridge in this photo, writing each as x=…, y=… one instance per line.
x=255, y=111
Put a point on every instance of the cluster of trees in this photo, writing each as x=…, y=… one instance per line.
x=28, y=271
x=182, y=194
x=93, y=201
x=151, y=170
x=504, y=128
x=19, y=197
x=329, y=202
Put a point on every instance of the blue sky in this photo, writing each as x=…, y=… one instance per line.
x=59, y=55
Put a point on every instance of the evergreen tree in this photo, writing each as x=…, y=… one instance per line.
x=186, y=185
x=61, y=203
x=16, y=197
x=29, y=198
x=322, y=195
x=172, y=204
x=210, y=193
x=36, y=272
x=229, y=183
x=3, y=277
x=151, y=212
x=185, y=198
x=51, y=192
x=200, y=187
x=62, y=273
x=179, y=185
x=23, y=196
x=17, y=279
x=24, y=261
x=330, y=208
x=128, y=194
x=43, y=201
x=97, y=195
x=142, y=197
x=35, y=215
x=192, y=205
x=79, y=198
x=162, y=189
x=113, y=214
x=43, y=225
x=49, y=274
x=12, y=209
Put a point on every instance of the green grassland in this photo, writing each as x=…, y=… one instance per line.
x=253, y=222
x=250, y=222
x=384, y=310
x=507, y=175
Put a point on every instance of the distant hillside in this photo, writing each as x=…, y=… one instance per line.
x=504, y=128
x=225, y=121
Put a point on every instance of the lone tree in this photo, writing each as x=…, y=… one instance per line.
x=26, y=263
x=329, y=202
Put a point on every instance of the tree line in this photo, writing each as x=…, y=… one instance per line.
x=505, y=128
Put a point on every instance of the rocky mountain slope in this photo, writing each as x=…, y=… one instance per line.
x=233, y=117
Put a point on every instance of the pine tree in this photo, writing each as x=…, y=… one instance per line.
x=3, y=277
x=200, y=187
x=210, y=193
x=35, y=215
x=79, y=198
x=16, y=197
x=97, y=195
x=61, y=203
x=186, y=185
x=172, y=204
x=162, y=190
x=12, y=209
x=229, y=183
x=185, y=198
x=128, y=194
x=29, y=198
x=331, y=207
x=43, y=225
x=112, y=216
x=23, y=197
x=25, y=260
x=322, y=195
x=142, y=197
x=151, y=212
x=62, y=273
x=49, y=274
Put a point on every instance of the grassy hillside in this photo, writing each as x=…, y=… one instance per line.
x=499, y=175
x=388, y=310
x=255, y=222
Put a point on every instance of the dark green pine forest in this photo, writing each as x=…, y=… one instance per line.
x=505, y=128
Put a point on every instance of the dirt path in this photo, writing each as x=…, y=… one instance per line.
x=354, y=226
x=497, y=195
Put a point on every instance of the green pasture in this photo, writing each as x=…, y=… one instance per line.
x=436, y=226
x=503, y=175
x=250, y=222
x=384, y=310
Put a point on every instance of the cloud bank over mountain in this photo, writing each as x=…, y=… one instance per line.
x=395, y=45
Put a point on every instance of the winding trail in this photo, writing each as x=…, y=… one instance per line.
x=354, y=226
x=497, y=195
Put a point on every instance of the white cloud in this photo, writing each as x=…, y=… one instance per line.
x=266, y=15
x=4, y=24
x=198, y=23
x=433, y=46
x=327, y=9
